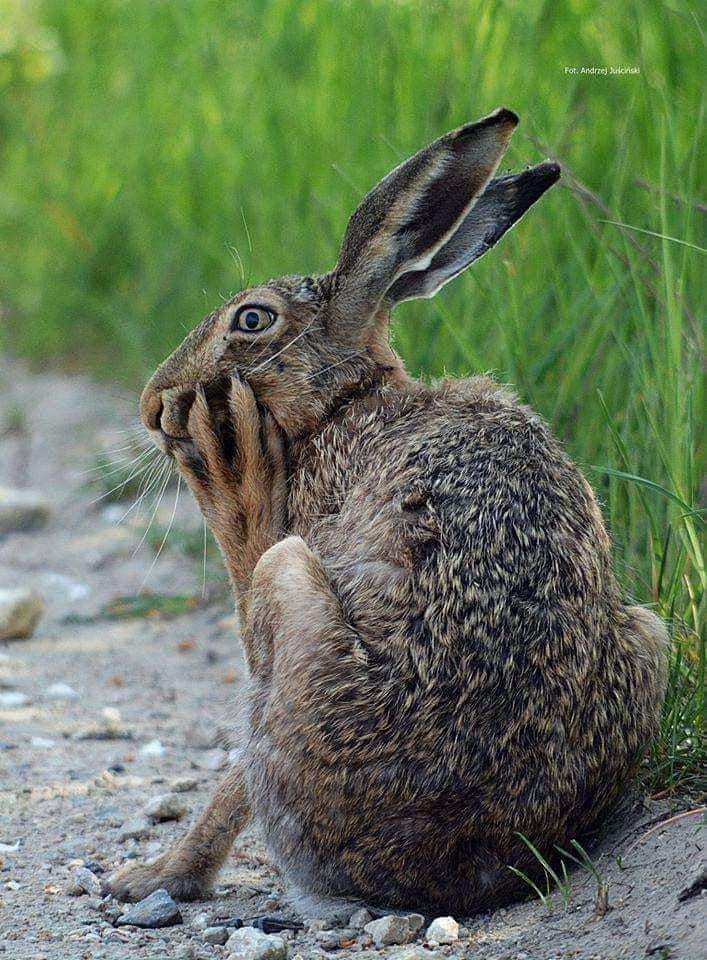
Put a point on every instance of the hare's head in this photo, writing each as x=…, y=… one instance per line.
x=304, y=343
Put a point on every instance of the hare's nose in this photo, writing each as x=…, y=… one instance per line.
x=151, y=409
x=176, y=404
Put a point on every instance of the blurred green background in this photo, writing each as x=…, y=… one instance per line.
x=156, y=156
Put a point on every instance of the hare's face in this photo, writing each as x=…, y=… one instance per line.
x=278, y=338
x=304, y=343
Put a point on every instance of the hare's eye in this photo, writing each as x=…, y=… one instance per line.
x=253, y=319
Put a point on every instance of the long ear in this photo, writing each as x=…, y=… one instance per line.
x=502, y=204
x=402, y=223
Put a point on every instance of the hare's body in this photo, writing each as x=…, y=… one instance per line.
x=478, y=675
x=439, y=655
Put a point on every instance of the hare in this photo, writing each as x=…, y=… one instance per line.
x=440, y=660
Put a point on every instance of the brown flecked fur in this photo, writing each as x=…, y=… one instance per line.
x=440, y=657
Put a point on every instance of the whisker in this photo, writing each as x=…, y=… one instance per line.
x=247, y=231
x=236, y=257
x=115, y=464
x=164, y=538
x=147, y=484
x=282, y=350
x=203, y=576
x=166, y=473
x=331, y=366
x=119, y=486
x=136, y=428
x=125, y=444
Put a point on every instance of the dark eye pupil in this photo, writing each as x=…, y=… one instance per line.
x=252, y=320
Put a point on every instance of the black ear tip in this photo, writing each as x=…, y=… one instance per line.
x=551, y=170
x=501, y=116
x=504, y=115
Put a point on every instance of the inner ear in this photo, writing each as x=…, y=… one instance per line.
x=500, y=206
x=412, y=212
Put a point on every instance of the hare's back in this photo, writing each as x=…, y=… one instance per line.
x=457, y=499
x=468, y=554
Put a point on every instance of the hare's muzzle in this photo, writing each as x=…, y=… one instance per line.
x=165, y=413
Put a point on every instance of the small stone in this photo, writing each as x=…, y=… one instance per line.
x=210, y=759
x=84, y=881
x=166, y=806
x=389, y=930
x=250, y=944
x=20, y=612
x=415, y=953
x=61, y=691
x=216, y=935
x=153, y=748
x=44, y=742
x=183, y=785
x=314, y=925
x=157, y=910
x=22, y=510
x=111, y=727
x=137, y=828
x=185, y=952
x=360, y=918
x=13, y=698
x=442, y=930
x=202, y=736
x=332, y=939
x=112, y=720
x=415, y=922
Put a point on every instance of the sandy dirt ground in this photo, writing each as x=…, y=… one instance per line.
x=71, y=774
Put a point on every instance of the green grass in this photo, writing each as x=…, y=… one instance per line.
x=153, y=154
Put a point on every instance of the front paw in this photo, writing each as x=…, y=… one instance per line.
x=234, y=461
x=137, y=881
x=210, y=456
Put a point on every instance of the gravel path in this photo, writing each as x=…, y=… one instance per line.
x=98, y=715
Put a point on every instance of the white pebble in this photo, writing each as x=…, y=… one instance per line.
x=84, y=881
x=389, y=930
x=251, y=944
x=13, y=698
x=61, y=691
x=360, y=918
x=42, y=742
x=166, y=806
x=442, y=930
x=153, y=748
x=111, y=718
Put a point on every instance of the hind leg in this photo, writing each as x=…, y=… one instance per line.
x=292, y=607
x=290, y=600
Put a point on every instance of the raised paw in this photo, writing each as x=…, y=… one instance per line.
x=223, y=441
x=137, y=881
x=234, y=461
